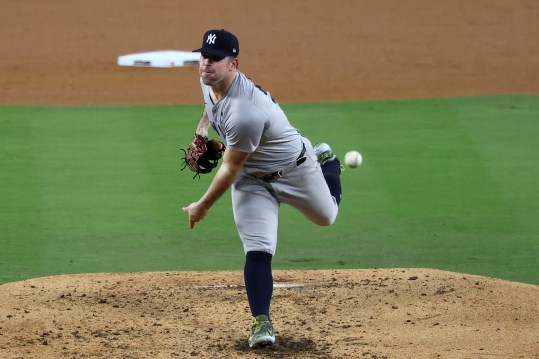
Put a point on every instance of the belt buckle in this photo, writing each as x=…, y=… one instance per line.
x=270, y=177
x=277, y=175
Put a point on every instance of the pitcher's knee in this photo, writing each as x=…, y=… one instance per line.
x=326, y=222
x=326, y=219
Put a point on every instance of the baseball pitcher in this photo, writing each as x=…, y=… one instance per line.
x=266, y=163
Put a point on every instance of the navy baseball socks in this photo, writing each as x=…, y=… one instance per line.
x=331, y=169
x=259, y=287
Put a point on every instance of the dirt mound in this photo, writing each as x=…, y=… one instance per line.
x=384, y=313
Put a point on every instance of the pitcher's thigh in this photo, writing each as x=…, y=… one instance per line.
x=308, y=192
x=256, y=213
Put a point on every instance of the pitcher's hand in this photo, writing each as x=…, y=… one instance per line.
x=196, y=213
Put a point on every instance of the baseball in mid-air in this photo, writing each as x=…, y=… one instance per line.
x=352, y=159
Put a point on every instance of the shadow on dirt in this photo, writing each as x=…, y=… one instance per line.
x=286, y=346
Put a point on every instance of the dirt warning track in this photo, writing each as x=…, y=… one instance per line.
x=64, y=52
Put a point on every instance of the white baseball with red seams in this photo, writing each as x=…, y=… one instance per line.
x=353, y=159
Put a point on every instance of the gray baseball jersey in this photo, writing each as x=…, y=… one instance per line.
x=248, y=120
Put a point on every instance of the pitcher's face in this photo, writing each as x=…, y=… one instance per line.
x=214, y=69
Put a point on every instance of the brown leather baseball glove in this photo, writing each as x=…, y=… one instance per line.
x=202, y=156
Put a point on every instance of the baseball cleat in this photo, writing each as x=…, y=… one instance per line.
x=262, y=333
x=325, y=154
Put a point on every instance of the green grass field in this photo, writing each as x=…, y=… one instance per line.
x=446, y=183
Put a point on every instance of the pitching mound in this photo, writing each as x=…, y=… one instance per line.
x=389, y=313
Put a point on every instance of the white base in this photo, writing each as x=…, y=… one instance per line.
x=163, y=59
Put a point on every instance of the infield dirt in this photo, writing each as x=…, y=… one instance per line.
x=64, y=53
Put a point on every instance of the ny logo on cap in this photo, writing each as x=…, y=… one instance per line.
x=211, y=39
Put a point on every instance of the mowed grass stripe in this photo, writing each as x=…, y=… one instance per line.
x=20, y=196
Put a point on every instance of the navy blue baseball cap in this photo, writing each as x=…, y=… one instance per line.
x=220, y=43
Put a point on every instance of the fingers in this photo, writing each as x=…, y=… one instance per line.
x=191, y=223
x=188, y=211
x=195, y=214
